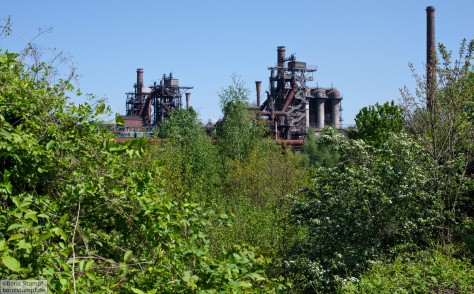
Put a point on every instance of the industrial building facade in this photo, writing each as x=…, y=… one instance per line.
x=149, y=106
x=291, y=106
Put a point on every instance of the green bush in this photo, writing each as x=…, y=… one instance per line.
x=77, y=210
x=430, y=271
x=354, y=212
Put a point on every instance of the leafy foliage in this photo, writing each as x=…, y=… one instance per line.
x=322, y=151
x=259, y=193
x=376, y=123
x=92, y=215
x=368, y=202
x=189, y=156
x=430, y=271
x=240, y=131
x=447, y=131
x=75, y=212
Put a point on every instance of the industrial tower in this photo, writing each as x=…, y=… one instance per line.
x=150, y=106
x=291, y=106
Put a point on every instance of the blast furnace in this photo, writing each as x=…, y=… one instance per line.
x=291, y=106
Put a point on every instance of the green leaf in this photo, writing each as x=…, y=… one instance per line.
x=15, y=237
x=11, y=263
x=91, y=275
x=6, y=134
x=16, y=200
x=2, y=245
x=244, y=284
x=119, y=120
x=100, y=109
x=223, y=216
x=42, y=215
x=32, y=215
x=44, y=236
x=49, y=145
x=89, y=264
x=256, y=277
x=138, y=291
x=14, y=226
x=60, y=232
x=127, y=255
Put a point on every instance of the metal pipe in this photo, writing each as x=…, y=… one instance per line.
x=299, y=142
x=290, y=96
x=288, y=100
x=273, y=114
x=258, y=84
x=188, y=95
x=265, y=103
x=430, y=57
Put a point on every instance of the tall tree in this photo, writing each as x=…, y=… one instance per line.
x=75, y=212
x=370, y=201
x=321, y=151
x=239, y=131
x=191, y=159
x=376, y=123
x=447, y=130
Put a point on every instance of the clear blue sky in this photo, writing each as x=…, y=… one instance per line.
x=362, y=48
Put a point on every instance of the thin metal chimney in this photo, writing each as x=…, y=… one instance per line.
x=188, y=95
x=430, y=57
x=281, y=55
x=258, y=84
x=139, y=79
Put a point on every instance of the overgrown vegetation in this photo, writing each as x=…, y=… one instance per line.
x=74, y=212
x=388, y=209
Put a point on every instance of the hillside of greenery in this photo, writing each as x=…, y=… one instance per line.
x=387, y=208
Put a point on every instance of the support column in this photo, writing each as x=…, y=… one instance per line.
x=188, y=95
x=335, y=113
x=307, y=115
x=320, y=113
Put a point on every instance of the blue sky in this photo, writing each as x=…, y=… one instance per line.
x=362, y=48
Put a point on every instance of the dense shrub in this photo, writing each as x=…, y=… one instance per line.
x=430, y=271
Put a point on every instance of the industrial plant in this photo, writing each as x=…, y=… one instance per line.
x=150, y=106
x=291, y=106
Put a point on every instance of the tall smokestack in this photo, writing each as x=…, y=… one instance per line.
x=139, y=79
x=281, y=55
x=430, y=57
x=258, y=84
x=188, y=95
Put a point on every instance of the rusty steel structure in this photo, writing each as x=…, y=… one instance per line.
x=150, y=106
x=292, y=106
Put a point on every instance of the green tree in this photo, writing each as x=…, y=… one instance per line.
x=75, y=212
x=376, y=123
x=190, y=158
x=321, y=151
x=240, y=131
x=370, y=201
x=447, y=132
